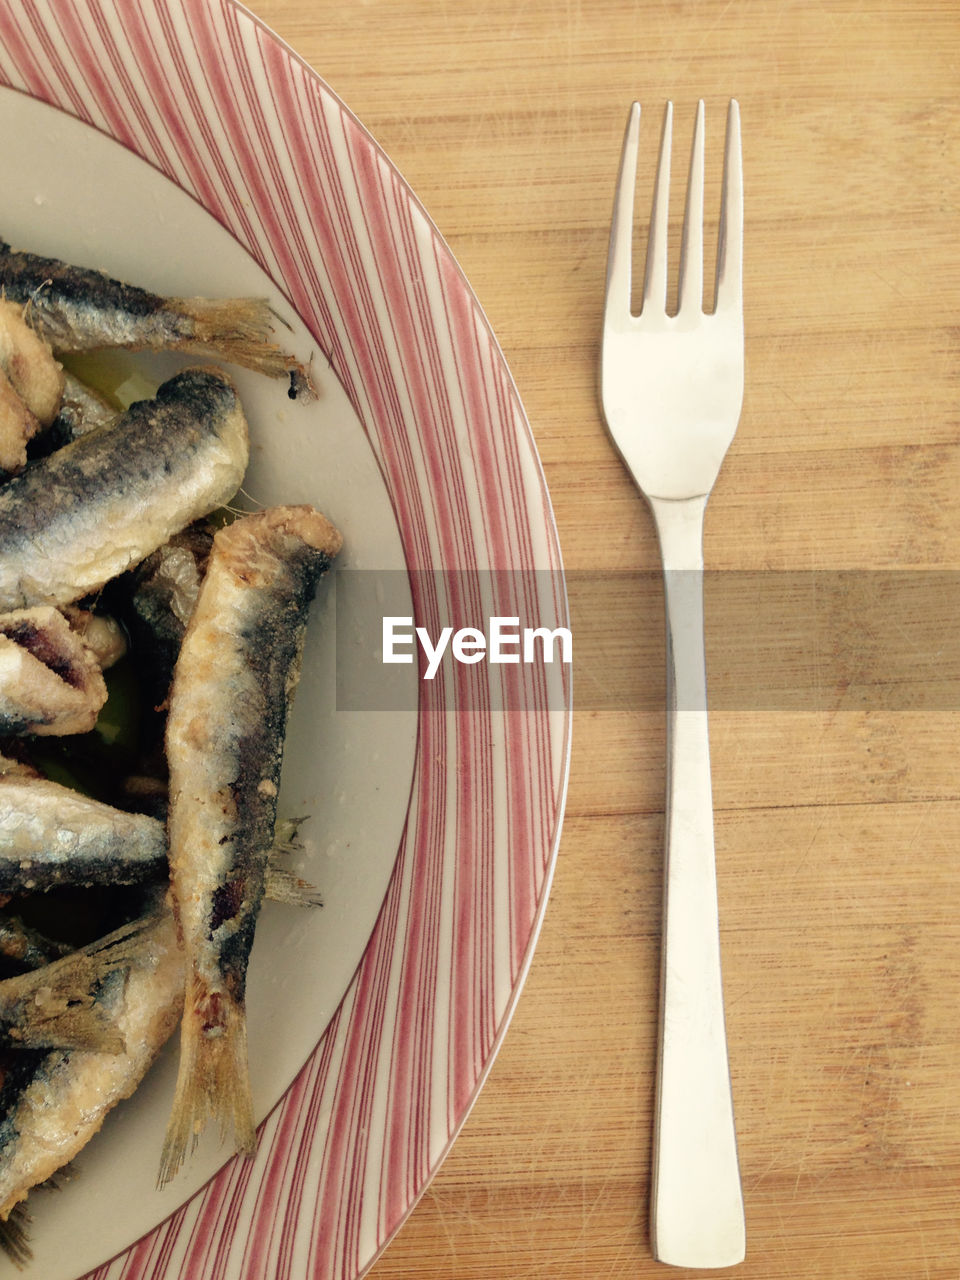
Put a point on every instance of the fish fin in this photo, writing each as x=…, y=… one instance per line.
x=15, y=1221
x=14, y=1238
x=238, y=330
x=281, y=885
x=213, y=1080
x=56, y=1006
x=286, y=836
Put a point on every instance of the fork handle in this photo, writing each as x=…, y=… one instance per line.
x=697, y=1217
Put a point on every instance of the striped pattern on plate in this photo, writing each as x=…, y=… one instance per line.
x=201, y=90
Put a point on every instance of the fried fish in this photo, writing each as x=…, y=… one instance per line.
x=50, y=680
x=232, y=687
x=51, y=835
x=76, y=519
x=79, y=309
x=54, y=1101
x=31, y=386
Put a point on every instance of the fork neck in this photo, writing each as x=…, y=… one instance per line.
x=680, y=530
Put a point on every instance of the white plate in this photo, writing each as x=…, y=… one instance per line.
x=432, y=834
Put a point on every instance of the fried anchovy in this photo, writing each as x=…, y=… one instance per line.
x=78, y=309
x=74, y=520
x=58, y=1005
x=29, y=365
x=50, y=681
x=164, y=591
x=61, y=1097
x=50, y=835
x=31, y=386
x=234, y=679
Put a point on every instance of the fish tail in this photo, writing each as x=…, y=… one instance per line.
x=213, y=1081
x=56, y=1006
x=239, y=330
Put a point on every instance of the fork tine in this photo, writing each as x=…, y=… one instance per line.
x=730, y=250
x=655, y=277
x=690, y=291
x=619, y=269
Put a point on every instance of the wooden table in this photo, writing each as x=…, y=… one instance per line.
x=838, y=811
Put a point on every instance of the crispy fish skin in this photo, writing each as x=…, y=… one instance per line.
x=76, y=519
x=232, y=688
x=57, y=1005
x=28, y=362
x=79, y=309
x=64, y=1096
x=50, y=681
x=17, y=426
x=164, y=593
x=50, y=835
x=31, y=386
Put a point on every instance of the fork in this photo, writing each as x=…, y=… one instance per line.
x=672, y=388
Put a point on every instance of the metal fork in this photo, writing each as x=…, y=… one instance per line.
x=672, y=389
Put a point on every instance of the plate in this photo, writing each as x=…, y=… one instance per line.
x=179, y=143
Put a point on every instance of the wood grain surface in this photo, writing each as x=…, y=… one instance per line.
x=838, y=809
